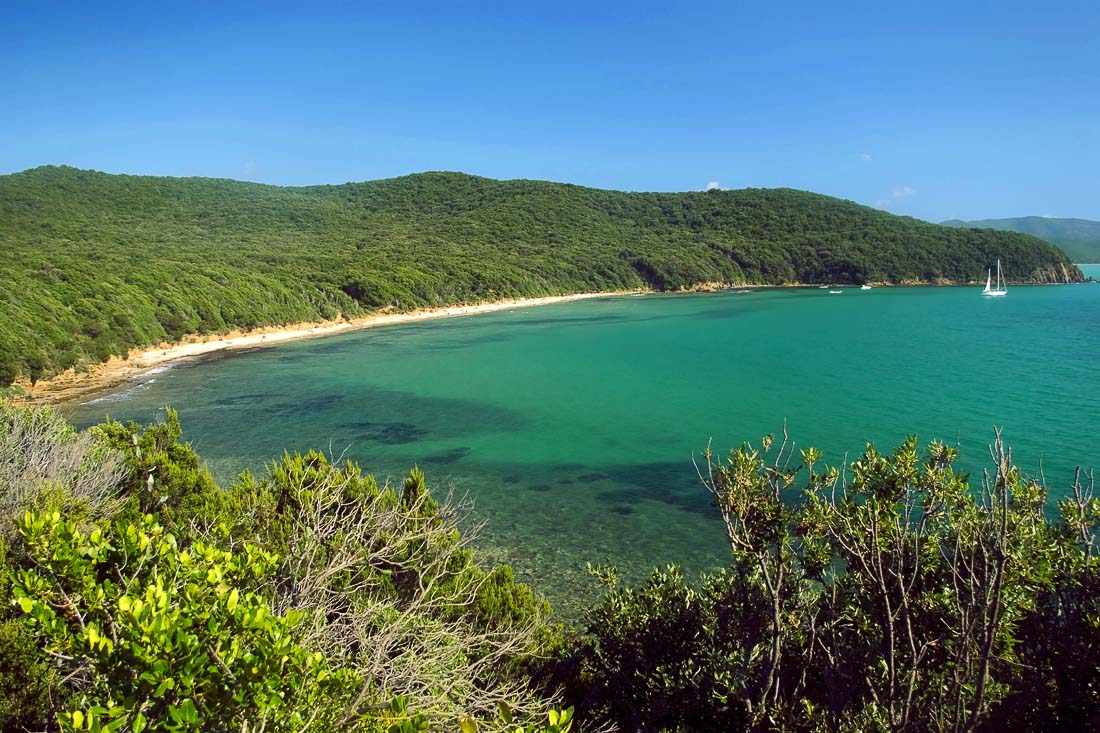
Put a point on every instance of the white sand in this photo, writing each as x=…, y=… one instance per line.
x=71, y=384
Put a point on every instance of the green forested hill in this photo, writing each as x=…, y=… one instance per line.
x=92, y=264
x=1078, y=238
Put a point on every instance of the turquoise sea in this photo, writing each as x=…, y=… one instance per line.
x=573, y=426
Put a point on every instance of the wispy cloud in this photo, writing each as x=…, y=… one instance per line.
x=711, y=185
x=866, y=156
x=248, y=168
x=900, y=192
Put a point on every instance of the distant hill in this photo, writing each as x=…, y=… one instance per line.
x=1078, y=238
x=93, y=264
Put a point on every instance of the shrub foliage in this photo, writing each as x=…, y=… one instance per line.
x=893, y=595
x=308, y=599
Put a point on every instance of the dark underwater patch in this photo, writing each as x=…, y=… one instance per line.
x=243, y=399
x=388, y=433
x=620, y=495
x=319, y=402
x=655, y=478
x=447, y=457
x=723, y=314
x=451, y=344
x=442, y=417
x=670, y=482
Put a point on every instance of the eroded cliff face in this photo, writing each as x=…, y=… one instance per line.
x=1059, y=274
x=1075, y=277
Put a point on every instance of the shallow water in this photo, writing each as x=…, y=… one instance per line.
x=573, y=425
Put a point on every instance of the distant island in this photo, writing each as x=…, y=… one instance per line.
x=93, y=264
x=1078, y=238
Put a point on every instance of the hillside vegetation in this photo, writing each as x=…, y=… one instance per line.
x=93, y=264
x=1078, y=238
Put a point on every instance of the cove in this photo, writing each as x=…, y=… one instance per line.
x=573, y=426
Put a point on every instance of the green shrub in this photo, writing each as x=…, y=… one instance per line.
x=166, y=475
x=166, y=639
x=393, y=579
x=895, y=597
x=308, y=599
x=27, y=683
x=46, y=464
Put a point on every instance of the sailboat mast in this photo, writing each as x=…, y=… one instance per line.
x=1000, y=289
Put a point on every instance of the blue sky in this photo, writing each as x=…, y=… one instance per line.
x=931, y=109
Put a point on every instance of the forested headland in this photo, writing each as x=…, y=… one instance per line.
x=1078, y=238
x=92, y=265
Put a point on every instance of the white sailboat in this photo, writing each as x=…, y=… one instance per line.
x=1000, y=289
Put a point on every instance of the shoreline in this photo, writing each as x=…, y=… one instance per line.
x=73, y=386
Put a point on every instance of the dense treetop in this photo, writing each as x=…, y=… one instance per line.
x=93, y=264
x=1079, y=238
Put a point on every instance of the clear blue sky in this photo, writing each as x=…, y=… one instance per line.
x=933, y=109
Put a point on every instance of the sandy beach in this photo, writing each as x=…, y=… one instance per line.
x=73, y=385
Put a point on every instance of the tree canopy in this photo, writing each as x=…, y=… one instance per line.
x=1078, y=238
x=93, y=264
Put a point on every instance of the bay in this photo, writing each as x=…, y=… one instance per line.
x=573, y=426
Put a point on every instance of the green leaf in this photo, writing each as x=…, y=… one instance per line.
x=188, y=711
x=231, y=602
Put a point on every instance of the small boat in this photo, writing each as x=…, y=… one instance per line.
x=864, y=287
x=835, y=292
x=822, y=287
x=1000, y=289
x=742, y=292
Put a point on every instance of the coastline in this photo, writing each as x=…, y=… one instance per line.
x=72, y=386
x=75, y=386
